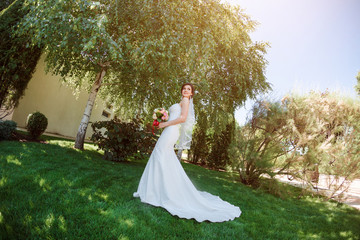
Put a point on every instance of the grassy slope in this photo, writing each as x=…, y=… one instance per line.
x=51, y=191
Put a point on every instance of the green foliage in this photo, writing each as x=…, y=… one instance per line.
x=191, y=41
x=150, y=49
x=258, y=145
x=208, y=147
x=72, y=194
x=36, y=124
x=302, y=136
x=324, y=130
x=17, y=59
x=7, y=128
x=220, y=143
x=5, y=3
x=121, y=140
x=200, y=143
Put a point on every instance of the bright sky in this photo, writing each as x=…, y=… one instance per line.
x=315, y=44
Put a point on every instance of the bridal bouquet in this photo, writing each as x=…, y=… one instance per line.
x=160, y=115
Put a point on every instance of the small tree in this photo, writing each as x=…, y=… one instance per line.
x=257, y=146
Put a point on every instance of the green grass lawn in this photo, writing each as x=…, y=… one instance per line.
x=52, y=191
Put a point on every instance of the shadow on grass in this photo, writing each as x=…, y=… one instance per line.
x=310, y=217
x=48, y=190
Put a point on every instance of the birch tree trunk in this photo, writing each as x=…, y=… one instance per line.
x=80, y=137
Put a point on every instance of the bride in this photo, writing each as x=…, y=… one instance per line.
x=164, y=182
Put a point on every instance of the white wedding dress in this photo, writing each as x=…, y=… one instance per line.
x=164, y=183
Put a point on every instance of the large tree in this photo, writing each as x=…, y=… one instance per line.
x=140, y=52
x=17, y=59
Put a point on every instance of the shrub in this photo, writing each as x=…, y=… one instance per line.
x=257, y=146
x=6, y=129
x=209, y=147
x=36, y=124
x=121, y=140
x=324, y=129
x=220, y=143
x=302, y=137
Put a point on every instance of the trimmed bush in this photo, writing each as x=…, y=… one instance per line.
x=36, y=124
x=7, y=128
x=122, y=140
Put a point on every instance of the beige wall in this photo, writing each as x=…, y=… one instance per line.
x=64, y=111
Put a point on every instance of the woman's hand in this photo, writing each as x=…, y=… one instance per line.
x=162, y=125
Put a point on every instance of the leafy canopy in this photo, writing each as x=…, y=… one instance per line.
x=151, y=48
x=17, y=59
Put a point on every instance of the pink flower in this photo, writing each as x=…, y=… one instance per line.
x=160, y=114
x=166, y=116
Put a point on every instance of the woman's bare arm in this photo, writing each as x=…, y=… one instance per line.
x=184, y=112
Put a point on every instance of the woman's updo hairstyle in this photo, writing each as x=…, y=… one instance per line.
x=192, y=88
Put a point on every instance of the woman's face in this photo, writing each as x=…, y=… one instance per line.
x=186, y=91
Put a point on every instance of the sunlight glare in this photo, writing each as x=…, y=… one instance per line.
x=44, y=186
x=127, y=222
x=13, y=160
x=27, y=219
x=104, y=212
x=345, y=234
x=62, y=223
x=3, y=180
x=123, y=238
x=102, y=195
x=49, y=220
x=42, y=182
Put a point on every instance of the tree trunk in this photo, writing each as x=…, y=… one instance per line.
x=80, y=137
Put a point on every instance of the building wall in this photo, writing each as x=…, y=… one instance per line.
x=46, y=94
